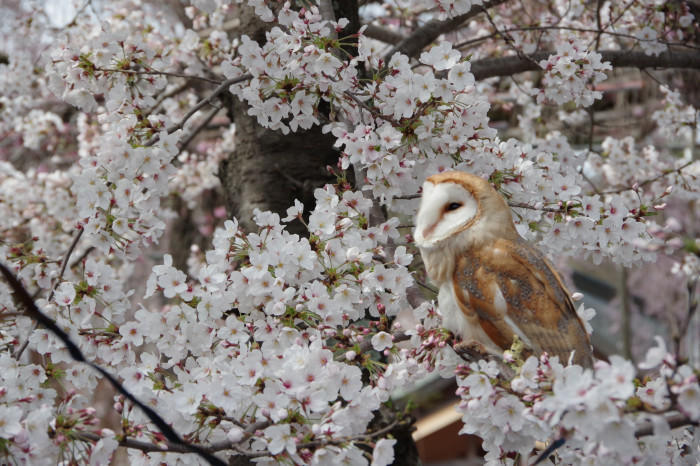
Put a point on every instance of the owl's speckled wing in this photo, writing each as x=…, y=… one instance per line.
x=512, y=289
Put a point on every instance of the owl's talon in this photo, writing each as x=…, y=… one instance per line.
x=471, y=350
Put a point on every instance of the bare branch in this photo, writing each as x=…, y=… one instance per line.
x=156, y=72
x=66, y=258
x=205, y=121
x=322, y=442
x=85, y=253
x=510, y=65
x=166, y=95
x=408, y=196
x=383, y=34
x=650, y=180
x=509, y=39
x=64, y=263
x=136, y=444
x=426, y=34
x=427, y=287
x=522, y=205
x=206, y=101
x=674, y=421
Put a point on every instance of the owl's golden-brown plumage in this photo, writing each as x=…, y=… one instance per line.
x=493, y=284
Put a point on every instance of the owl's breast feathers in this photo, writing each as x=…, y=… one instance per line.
x=512, y=290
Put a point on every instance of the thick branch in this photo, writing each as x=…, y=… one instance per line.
x=427, y=33
x=507, y=66
x=383, y=34
x=674, y=421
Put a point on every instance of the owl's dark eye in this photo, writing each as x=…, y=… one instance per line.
x=453, y=206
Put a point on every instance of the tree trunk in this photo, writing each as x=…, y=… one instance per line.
x=268, y=170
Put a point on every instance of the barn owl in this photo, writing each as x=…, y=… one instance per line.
x=493, y=285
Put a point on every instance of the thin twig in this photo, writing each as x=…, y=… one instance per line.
x=206, y=101
x=692, y=308
x=185, y=142
x=599, y=5
x=32, y=310
x=156, y=72
x=433, y=29
x=85, y=253
x=522, y=205
x=591, y=127
x=626, y=316
x=166, y=95
x=72, y=22
x=509, y=40
x=382, y=34
x=366, y=343
x=650, y=180
x=64, y=263
x=427, y=287
x=362, y=104
x=293, y=181
x=590, y=182
x=136, y=444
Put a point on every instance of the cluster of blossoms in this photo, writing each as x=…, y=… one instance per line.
x=675, y=120
x=655, y=24
x=281, y=347
x=248, y=342
x=648, y=25
x=570, y=75
x=604, y=416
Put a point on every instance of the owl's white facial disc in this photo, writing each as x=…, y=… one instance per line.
x=445, y=208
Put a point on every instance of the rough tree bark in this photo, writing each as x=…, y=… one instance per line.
x=267, y=170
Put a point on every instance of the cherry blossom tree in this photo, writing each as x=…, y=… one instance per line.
x=279, y=148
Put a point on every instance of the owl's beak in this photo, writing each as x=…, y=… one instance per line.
x=429, y=231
